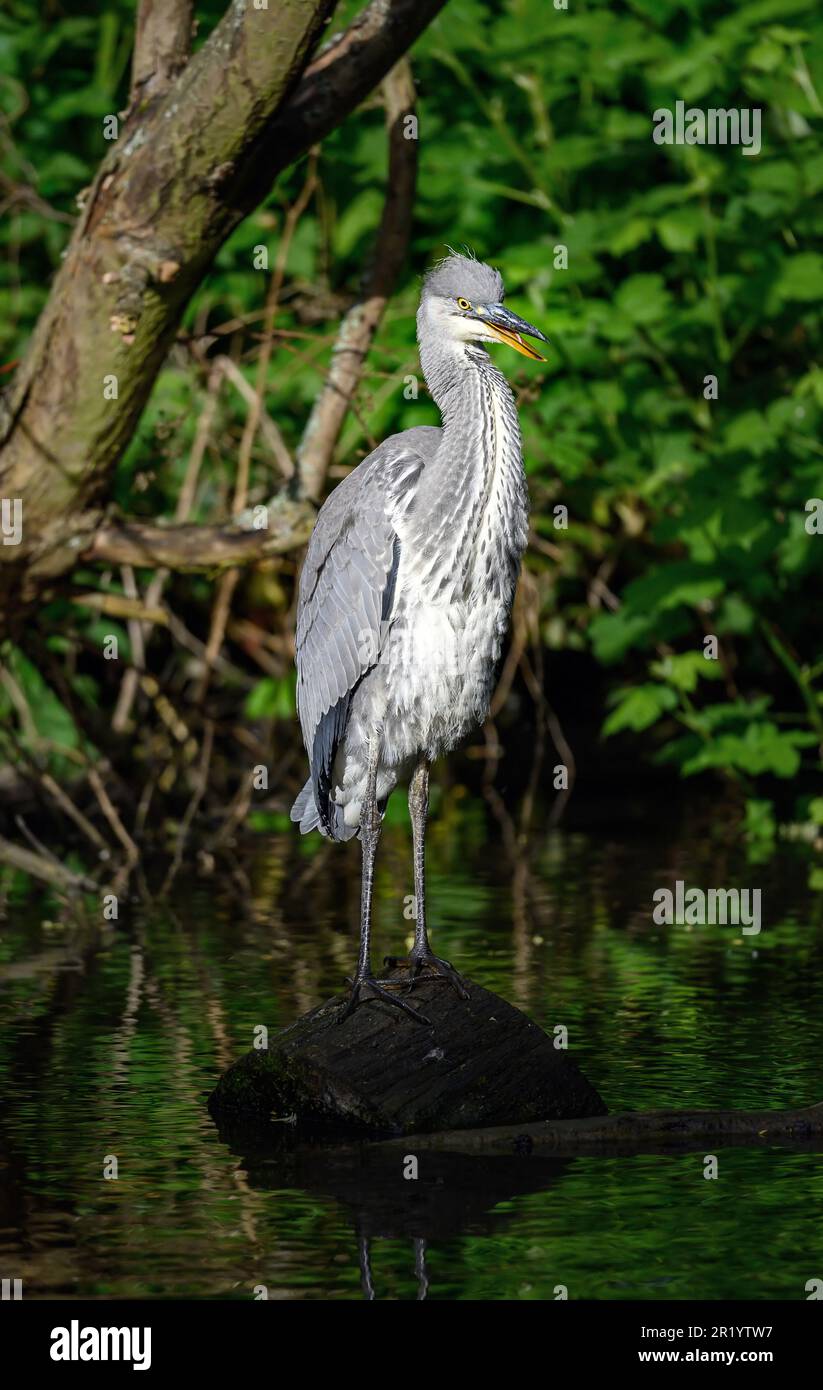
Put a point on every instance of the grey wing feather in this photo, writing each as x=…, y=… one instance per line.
x=341, y=593
x=349, y=572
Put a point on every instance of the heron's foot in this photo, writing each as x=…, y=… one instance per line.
x=365, y=987
x=427, y=965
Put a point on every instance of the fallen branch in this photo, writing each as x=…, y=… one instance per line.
x=651, y=1131
x=191, y=547
x=46, y=962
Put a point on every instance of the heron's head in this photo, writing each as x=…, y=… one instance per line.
x=462, y=302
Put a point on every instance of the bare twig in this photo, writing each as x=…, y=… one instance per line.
x=120, y=606
x=143, y=805
x=73, y=812
x=238, y=808
x=293, y=216
x=519, y=642
x=128, y=685
x=536, y=542
x=228, y=582
x=36, y=844
x=47, y=782
x=109, y=811
x=21, y=704
x=38, y=867
x=201, y=783
x=185, y=502
x=268, y=428
x=360, y=323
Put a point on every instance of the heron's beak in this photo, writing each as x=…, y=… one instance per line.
x=509, y=329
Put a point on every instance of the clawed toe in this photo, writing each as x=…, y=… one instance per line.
x=367, y=987
x=437, y=969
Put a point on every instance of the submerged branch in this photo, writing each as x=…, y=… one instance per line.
x=653, y=1130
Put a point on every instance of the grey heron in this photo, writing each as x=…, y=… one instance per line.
x=405, y=595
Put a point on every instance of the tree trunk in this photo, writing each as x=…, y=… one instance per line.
x=187, y=167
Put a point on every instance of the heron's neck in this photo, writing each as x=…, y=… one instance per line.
x=473, y=490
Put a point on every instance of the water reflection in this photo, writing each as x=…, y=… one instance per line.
x=113, y=1034
x=453, y=1195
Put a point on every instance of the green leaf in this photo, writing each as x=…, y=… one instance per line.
x=671, y=586
x=643, y=298
x=613, y=634
x=271, y=699
x=684, y=669
x=679, y=230
x=760, y=822
x=802, y=278
x=639, y=707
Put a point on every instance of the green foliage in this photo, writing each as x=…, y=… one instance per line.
x=271, y=699
x=687, y=514
x=50, y=721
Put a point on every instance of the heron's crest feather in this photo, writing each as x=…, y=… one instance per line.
x=462, y=276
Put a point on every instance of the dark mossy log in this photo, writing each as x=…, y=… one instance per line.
x=655, y=1131
x=480, y=1062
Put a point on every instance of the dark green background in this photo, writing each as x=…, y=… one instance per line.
x=686, y=516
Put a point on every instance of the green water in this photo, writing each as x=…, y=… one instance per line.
x=112, y=1035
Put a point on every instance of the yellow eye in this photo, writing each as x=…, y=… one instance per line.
x=463, y=304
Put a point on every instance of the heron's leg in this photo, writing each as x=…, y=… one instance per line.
x=421, y=953
x=364, y=1260
x=364, y=984
x=420, y=1267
